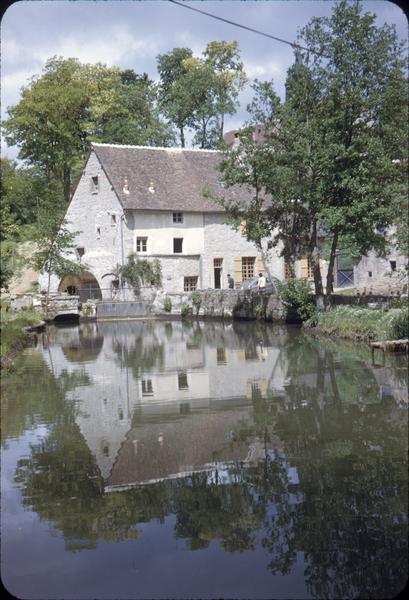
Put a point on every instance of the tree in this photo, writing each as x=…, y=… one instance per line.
x=200, y=80
x=53, y=242
x=224, y=59
x=175, y=97
x=21, y=190
x=331, y=163
x=134, y=117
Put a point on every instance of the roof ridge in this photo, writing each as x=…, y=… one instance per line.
x=169, y=149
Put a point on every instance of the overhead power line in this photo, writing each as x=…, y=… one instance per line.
x=273, y=37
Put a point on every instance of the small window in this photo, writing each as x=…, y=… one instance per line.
x=247, y=267
x=147, y=389
x=141, y=244
x=393, y=265
x=220, y=183
x=94, y=184
x=178, y=217
x=80, y=251
x=98, y=232
x=113, y=220
x=369, y=273
x=177, y=245
x=189, y=284
x=182, y=381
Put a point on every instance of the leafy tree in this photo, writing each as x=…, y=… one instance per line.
x=328, y=164
x=134, y=117
x=175, y=97
x=201, y=82
x=21, y=191
x=53, y=242
x=224, y=59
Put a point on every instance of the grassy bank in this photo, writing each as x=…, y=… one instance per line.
x=13, y=337
x=362, y=324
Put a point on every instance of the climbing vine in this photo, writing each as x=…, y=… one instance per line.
x=137, y=272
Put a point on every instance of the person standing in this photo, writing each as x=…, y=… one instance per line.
x=261, y=284
x=230, y=281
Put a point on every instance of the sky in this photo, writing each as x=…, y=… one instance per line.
x=131, y=33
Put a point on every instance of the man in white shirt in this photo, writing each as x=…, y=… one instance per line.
x=261, y=282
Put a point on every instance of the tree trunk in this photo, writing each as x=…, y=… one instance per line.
x=315, y=264
x=67, y=184
x=330, y=274
x=182, y=137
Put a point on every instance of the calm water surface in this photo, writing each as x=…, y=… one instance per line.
x=203, y=460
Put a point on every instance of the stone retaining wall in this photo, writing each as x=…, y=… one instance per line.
x=228, y=304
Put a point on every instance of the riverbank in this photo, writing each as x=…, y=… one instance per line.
x=361, y=324
x=14, y=335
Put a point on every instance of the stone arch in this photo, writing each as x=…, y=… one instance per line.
x=85, y=286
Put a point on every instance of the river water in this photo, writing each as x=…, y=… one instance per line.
x=153, y=459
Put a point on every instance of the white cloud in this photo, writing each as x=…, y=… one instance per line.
x=264, y=70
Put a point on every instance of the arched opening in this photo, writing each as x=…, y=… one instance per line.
x=85, y=286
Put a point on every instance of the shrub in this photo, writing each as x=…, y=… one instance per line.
x=167, y=304
x=296, y=294
x=197, y=300
x=137, y=272
x=185, y=310
x=396, y=324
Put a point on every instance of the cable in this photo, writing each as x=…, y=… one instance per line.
x=273, y=37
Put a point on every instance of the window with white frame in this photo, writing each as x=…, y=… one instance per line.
x=178, y=217
x=141, y=244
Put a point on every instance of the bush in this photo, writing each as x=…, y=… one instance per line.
x=396, y=324
x=364, y=323
x=297, y=295
x=197, y=300
x=137, y=272
x=185, y=310
x=167, y=304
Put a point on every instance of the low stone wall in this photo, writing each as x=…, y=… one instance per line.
x=237, y=304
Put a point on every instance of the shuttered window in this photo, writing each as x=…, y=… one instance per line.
x=306, y=268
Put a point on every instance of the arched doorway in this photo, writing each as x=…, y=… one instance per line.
x=85, y=286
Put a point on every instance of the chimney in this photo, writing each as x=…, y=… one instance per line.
x=125, y=189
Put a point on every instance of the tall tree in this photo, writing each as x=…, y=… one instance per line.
x=134, y=117
x=175, y=97
x=224, y=59
x=330, y=163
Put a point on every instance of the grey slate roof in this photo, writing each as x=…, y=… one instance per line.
x=183, y=180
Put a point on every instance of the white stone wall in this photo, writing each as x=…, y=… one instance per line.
x=86, y=213
x=222, y=241
x=375, y=273
x=109, y=236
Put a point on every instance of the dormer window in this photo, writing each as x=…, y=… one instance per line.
x=94, y=184
x=178, y=217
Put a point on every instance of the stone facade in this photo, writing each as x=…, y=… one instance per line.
x=107, y=234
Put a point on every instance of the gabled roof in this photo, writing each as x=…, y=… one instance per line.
x=182, y=180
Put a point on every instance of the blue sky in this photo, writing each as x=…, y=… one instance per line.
x=131, y=33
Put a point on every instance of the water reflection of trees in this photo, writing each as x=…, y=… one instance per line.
x=345, y=511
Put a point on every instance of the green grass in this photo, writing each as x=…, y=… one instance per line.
x=364, y=323
x=13, y=336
